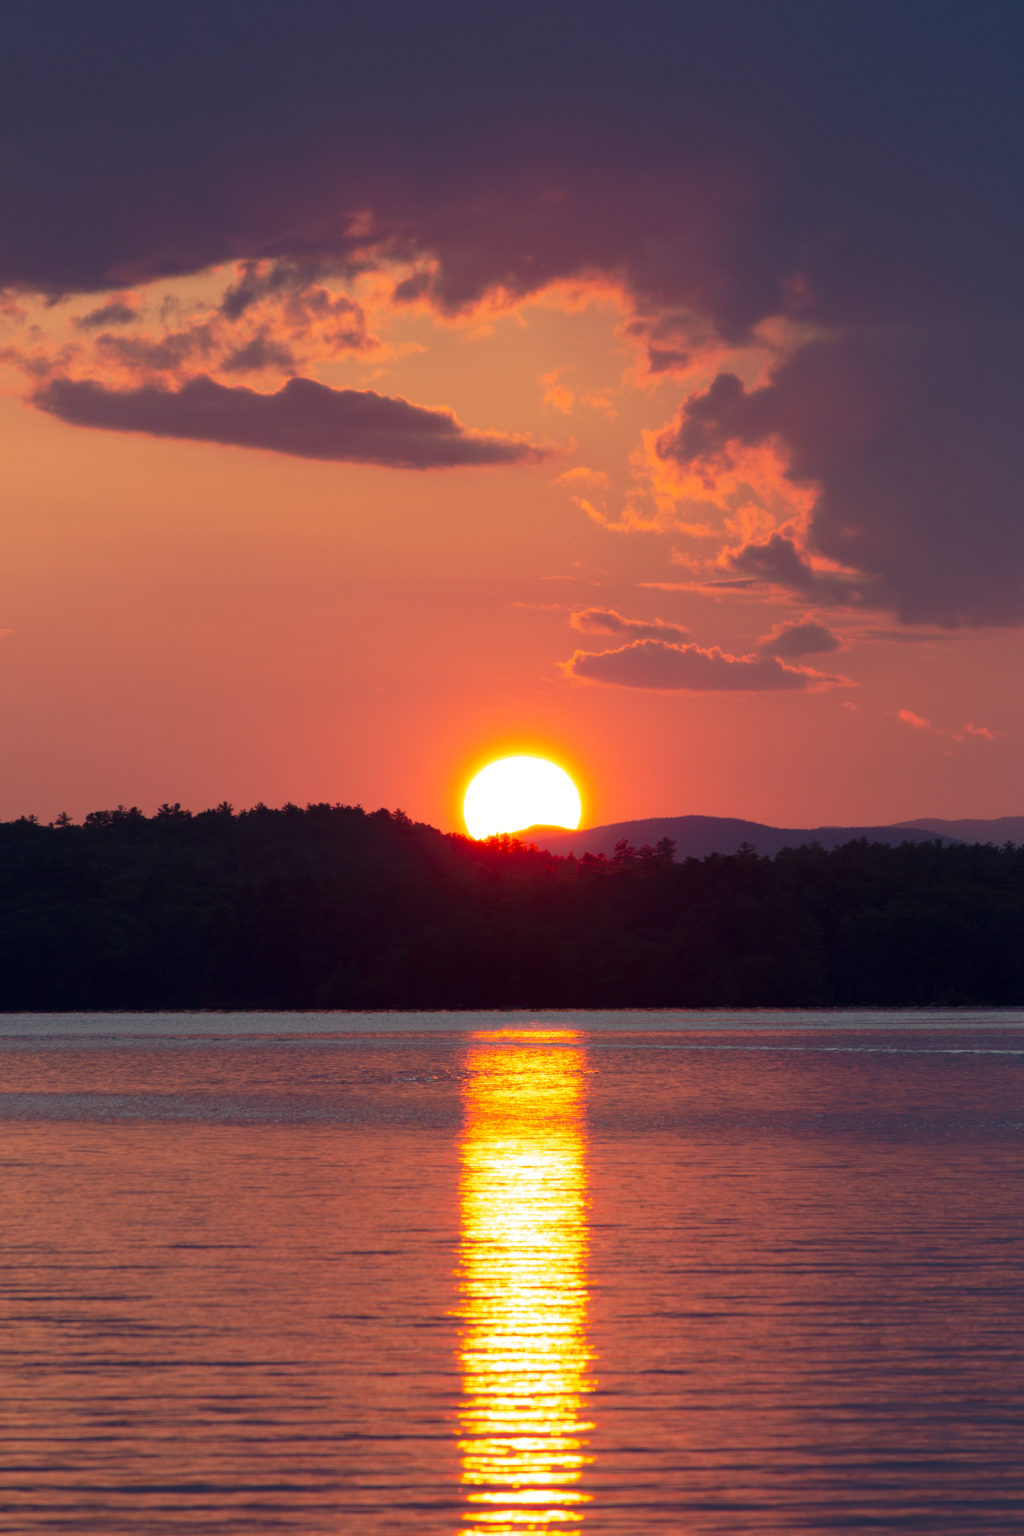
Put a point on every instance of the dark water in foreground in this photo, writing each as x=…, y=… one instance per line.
x=450, y=1274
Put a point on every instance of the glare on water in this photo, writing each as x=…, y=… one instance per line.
x=424, y=1276
x=524, y=1352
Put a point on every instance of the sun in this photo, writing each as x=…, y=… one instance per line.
x=519, y=792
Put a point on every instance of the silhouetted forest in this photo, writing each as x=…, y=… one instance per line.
x=332, y=907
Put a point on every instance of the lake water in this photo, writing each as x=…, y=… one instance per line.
x=490, y=1274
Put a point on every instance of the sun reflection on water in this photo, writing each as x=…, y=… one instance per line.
x=524, y=1352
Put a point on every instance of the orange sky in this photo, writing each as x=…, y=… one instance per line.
x=195, y=622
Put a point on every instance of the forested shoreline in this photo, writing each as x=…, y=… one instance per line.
x=333, y=907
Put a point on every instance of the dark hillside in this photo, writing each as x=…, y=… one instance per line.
x=330, y=907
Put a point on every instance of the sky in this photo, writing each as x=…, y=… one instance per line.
x=387, y=389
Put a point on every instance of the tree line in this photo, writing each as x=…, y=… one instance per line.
x=329, y=906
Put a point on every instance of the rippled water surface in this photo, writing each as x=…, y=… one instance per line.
x=490, y=1274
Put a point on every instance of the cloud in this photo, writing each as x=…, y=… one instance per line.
x=516, y=164
x=805, y=166
x=260, y=351
x=606, y=621
x=904, y=636
x=666, y=359
x=777, y=562
x=589, y=490
x=916, y=722
x=978, y=732
x=913, y=487
x=739, y=194
x=692, y=669
x=274, y=315
x=556, y=395
x=798, y=637
x=116, y=312
x=295, y=298
x=303, y=418
x=257, y=281
x=600, y=400
x=168, y=353
x=965, y=733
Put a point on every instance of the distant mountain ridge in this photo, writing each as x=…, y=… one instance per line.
x=1002, y=829
x=698, y=836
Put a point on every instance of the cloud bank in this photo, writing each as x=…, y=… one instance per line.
x=303, y=418
x=854, y=168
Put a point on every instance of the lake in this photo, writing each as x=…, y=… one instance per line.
x=490, y=1274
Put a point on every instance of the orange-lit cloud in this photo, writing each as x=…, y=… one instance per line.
x=558, y=396
x=606, y=621
x=965, y=733
x=982, y=732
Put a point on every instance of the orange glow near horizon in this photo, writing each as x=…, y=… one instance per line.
x=524, y=1352
x=519, y=792
x=351, y=626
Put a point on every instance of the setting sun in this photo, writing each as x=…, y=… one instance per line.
x=519, y=792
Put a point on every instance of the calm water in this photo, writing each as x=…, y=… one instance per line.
x=483, y=1275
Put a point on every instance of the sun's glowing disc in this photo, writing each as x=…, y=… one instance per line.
x=520, y=792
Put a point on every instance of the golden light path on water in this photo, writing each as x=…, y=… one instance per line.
x=524, y=1352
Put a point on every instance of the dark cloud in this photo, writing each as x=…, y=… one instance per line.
x=692, y=669
x=606, y=621
x=871, y=156
x=858, y=166
x=665, y=359
x=258, y=281
x=261, y=351
x=303, y=418
x=798, y=637
x=905, y=636
x=166, y=354
x=410, y=289
x=114, y=313
x=667, y=339
x=908, y=440
x=777, y=562
x=301, y=301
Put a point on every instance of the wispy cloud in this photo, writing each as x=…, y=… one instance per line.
x=965, y=732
